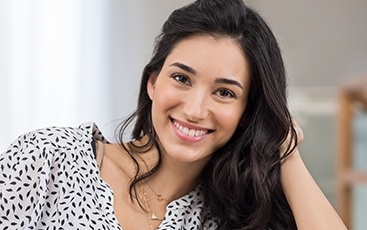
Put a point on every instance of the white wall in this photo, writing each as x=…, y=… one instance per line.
x=323, y=42
x=52, y=59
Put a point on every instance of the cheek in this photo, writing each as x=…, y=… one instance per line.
x=229, y=118
x=164, y=99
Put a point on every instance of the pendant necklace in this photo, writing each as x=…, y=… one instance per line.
x=151, y=216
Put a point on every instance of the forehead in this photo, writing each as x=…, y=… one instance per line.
x=207, y=40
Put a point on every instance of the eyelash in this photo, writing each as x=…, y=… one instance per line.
x=227, y=91
x=180, y=78
x=185, y=80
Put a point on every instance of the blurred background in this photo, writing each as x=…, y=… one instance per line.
x=65, y=62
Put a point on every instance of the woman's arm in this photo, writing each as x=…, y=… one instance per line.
x=309, y=205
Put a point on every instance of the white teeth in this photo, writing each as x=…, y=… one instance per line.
x=192, y=132
x=185, y=131
x=189, y=132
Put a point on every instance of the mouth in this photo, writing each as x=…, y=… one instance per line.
x=191, y=132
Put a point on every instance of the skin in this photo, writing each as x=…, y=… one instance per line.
x=203, y=87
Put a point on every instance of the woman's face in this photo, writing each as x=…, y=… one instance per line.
x=199, y=96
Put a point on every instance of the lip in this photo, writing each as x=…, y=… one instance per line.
x=189, y=133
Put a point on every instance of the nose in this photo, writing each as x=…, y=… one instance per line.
x=196, y=106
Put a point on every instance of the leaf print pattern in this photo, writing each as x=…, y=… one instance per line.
x=49, y=179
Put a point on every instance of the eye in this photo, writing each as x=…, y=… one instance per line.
x=182, y=79
x=225, y=93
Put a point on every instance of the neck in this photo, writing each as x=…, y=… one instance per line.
x=174, y=178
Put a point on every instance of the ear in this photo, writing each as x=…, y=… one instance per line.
x=151, y=85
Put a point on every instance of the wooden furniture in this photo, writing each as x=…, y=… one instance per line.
x=353, y=98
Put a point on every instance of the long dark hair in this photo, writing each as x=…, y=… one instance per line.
x=241, y=182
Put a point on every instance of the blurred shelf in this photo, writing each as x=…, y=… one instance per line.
x=352, y=99
x=353, y=177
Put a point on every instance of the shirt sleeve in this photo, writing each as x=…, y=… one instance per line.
x=20, y=177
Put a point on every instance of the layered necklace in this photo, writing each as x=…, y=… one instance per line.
x=151, y=215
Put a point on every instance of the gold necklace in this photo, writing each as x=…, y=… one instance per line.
x=151, y=216
x=158, y=197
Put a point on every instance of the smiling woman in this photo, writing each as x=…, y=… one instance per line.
x=213, y=144
x=202, y=87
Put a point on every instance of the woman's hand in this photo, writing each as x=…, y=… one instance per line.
x=294, y=137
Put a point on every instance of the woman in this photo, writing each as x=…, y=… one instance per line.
x=213, y=145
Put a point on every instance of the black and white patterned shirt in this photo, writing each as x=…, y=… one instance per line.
x=49, y=179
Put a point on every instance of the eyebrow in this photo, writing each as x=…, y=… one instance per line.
x=184, y=67
x=228, y=81
x=218, y=80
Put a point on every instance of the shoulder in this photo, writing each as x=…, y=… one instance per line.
x=42, y=144
x=54, y=137
x=44, y=167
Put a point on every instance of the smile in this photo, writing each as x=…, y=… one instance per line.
x=190, y=132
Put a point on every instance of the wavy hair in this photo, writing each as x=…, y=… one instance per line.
x=241, y=182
